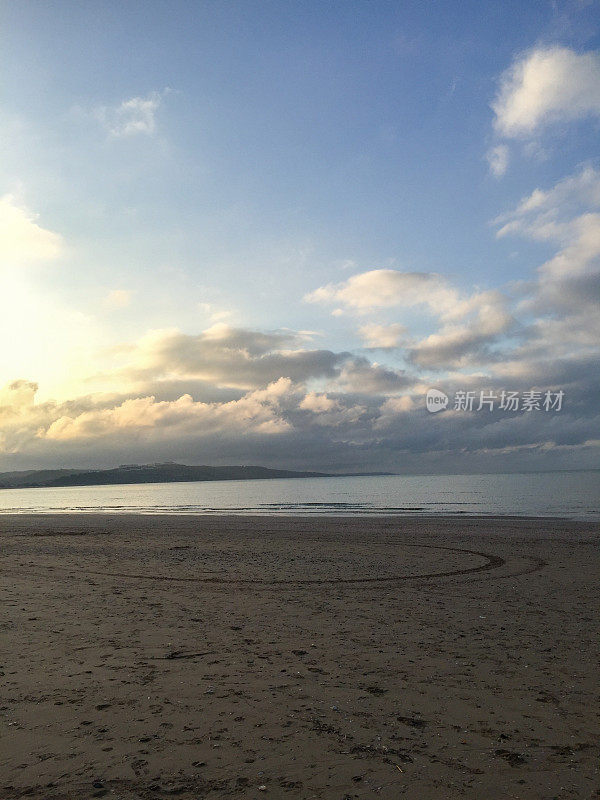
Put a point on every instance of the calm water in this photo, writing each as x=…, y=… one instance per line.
x=560, y=494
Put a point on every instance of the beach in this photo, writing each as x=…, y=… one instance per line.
x=431, y=658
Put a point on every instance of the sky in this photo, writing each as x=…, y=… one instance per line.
x=260, y=232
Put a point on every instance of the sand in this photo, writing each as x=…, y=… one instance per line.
x=209, y=657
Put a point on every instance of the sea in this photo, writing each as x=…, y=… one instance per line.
x=570, y=495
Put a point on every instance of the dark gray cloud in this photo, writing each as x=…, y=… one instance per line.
x=284, y=424
x=228, y=357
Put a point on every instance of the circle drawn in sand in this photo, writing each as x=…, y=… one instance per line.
x=264, y=561
x=358, y=565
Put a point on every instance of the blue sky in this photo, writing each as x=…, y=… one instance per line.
x=216, y=164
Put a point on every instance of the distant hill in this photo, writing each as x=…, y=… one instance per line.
x=147, y=473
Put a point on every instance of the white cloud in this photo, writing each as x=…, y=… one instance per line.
x=317, y=402
x=392, y=408
x=327, y=412
x=563, y=298
x=579, y=191
x=567, y=215
x=132, y=117
x=18, y=394
x=468, y=324
x=467, y=333
x=387, y=288
x=22, y=240
x=547, y=85
x=498, y=158
x=383, y=336
x=255, y=412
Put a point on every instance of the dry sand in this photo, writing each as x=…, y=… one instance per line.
x=208, y=657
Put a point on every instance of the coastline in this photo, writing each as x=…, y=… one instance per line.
x=557, y=496
x=411, y=516
x=298, y=656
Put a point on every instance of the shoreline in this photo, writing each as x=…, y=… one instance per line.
x=296, y=657
x=556, y=496
x=410, y=516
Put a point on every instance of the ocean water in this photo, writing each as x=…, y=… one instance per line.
x=574, y=495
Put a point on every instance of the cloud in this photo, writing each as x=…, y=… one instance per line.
x=255, y=412
x=223, y=356
x=576, y=193
x=387, y=288
x=560, y=305
x=467, y=334
x=467, y=325
x=283, y=425
x=498, y=157
x=215, y=314
x=318, y=403
x=22, y=240
x=132, y=117
x=361, y=376
x=568, y=215
x=18, y=394
x=391, y=408
x=382, y=336
x=544, y=86
x=330, y=412
x=232, y=394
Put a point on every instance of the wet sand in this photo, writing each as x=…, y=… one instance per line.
x=333, y=658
